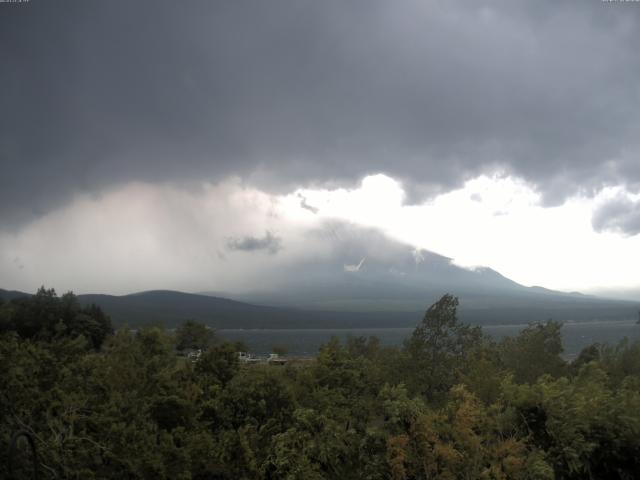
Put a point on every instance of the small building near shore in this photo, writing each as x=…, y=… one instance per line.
x=275, y=359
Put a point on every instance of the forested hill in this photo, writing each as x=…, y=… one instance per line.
x=11, y=294
x=170, y=308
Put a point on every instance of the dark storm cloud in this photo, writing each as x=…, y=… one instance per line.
x=269, y=243
x=291, y=93
x=619, y=214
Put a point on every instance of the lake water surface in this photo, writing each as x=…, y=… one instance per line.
x=306, y=342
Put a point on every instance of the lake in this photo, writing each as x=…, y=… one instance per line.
x=306, y=342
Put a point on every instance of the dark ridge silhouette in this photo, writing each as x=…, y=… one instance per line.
x=170, y=308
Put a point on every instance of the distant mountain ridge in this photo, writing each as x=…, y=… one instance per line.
x=170, y=308
x=363, y=279
x=367, y=271
x=11, y=294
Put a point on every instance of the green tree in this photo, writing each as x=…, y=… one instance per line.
x=535, y=351
x=590, y=353
x=438, y=349
x=622, y=361
x=45, y=316
x=219, y=364
x=194, y=335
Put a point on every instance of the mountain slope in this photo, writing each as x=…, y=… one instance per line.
x=364, y=265
x=366, y=271
x=170, y=308
x=11, y=294
x=362, y=279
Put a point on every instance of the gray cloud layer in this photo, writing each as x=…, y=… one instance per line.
x=269, y=243
x=285, y=93
x=619, y=214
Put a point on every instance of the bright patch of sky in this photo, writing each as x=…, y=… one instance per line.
x=495, y=221
x=232, y=237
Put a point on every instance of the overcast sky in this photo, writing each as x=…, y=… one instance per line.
x=192, y=144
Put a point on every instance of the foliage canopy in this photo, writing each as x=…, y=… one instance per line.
x=449, y=404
